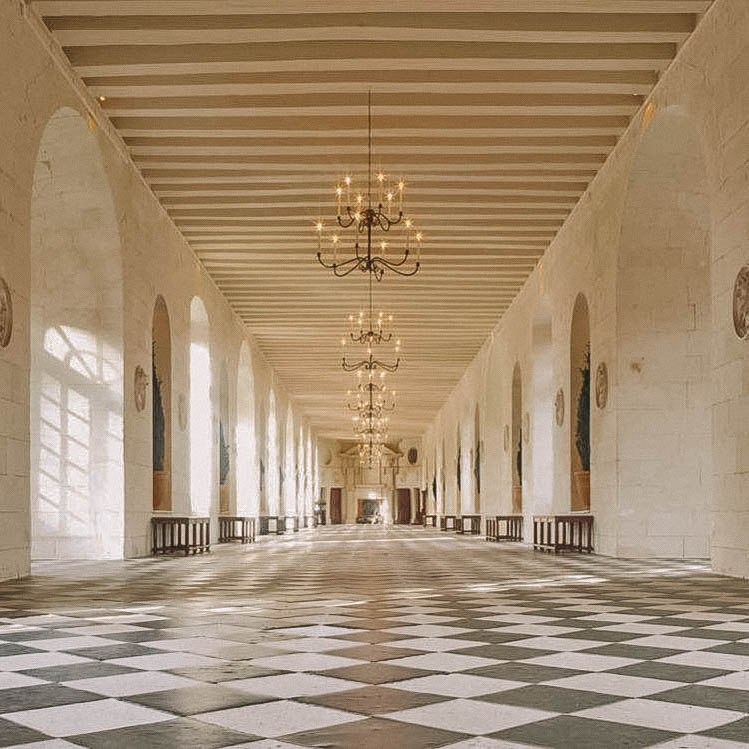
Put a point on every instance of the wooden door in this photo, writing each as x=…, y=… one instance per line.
x=335, y=507
x=403, y=507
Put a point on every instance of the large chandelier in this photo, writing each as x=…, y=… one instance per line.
x=364, y=214
x=369, y=331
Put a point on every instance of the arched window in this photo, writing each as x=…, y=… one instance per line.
x=201, y=416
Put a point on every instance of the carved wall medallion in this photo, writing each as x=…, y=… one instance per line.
x=6, y=314
x=526, y=427
x=741, y=303
x=507, y=437
x=559, y=407
x=413, y=456
x=602, y=385
x=141, y=388
x=182, y=411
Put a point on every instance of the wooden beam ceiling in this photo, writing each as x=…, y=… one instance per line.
x=241, y=116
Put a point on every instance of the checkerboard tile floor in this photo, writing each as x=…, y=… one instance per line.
x=374, y=637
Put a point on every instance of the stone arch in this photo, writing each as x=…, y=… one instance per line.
x=77, y=377
x=289, y=461
x=579, y=423
x=161, y=412
x=516, y=440
x=246, y=472
x=201, y=412
x=476, y=467
x=272, y=466
x=225, y=432
x=662, y=381
x=542, y=411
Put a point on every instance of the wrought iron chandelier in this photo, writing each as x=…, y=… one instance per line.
x=378, y=216
x=372, y=333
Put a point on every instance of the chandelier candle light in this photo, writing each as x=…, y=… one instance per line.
x=383, y=210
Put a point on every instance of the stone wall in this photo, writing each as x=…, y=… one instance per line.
x=669, y=460
x=150, y=259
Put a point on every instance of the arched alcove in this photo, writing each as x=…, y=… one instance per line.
x=290, y=472
x=458, y=471
x=272, y=467
x=579, y=424
x=542, y=409
x=161, y=412
x=225, y=431
x=662, y=383
x=246, y=469
x=77, y=378
x=201, y=413
x=516, y=440
x=443, y=481
x=476, y=460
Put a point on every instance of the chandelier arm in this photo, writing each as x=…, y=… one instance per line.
x=396, y=269
x=340, y=270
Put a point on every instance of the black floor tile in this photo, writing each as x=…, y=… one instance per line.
x=571, y=732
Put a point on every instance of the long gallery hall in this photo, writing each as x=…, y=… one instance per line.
x=374, y=378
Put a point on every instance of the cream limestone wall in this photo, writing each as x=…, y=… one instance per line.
x=34, y=85
x=669, y=474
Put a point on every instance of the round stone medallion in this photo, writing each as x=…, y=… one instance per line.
x=141, y=386
x=6, y=314
x=559, y=407
x=602, y=385
x=741, y=303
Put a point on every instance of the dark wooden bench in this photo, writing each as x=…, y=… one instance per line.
x=448, y=523
x=469, y=525
x=236, y=528
x=563, y=533
x=180, y=533
x=504, y=528
x=270, y=524
x=430, y=521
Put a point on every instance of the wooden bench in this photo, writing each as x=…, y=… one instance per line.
x=236, y=528
x=271, y=524
x=563, y=533
x=291, y=523
x=448, y=523
x=180, y=533
x=430, y=521
x=504, y=528
x=469, y=524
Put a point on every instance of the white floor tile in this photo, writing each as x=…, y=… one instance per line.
x=616, y=684
x=13, y=680
x=458, y=685
x=434, y=644
x=38, y=660
x=317, y=631
x=642, y=628
x=581, y=661
x=287, y=686
x=86, y=717
x=665, y=716
x=537, y=630
x=443, y=662
x=311, y=644
x=428, y=630
x=674, y=642
x=71, y=643
x=125, y=685
x=725, y=661
x=166, y=661
x=305, y=662
x=736, y=680
x=561, y=644
x=470, y=716
x=278, y=718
